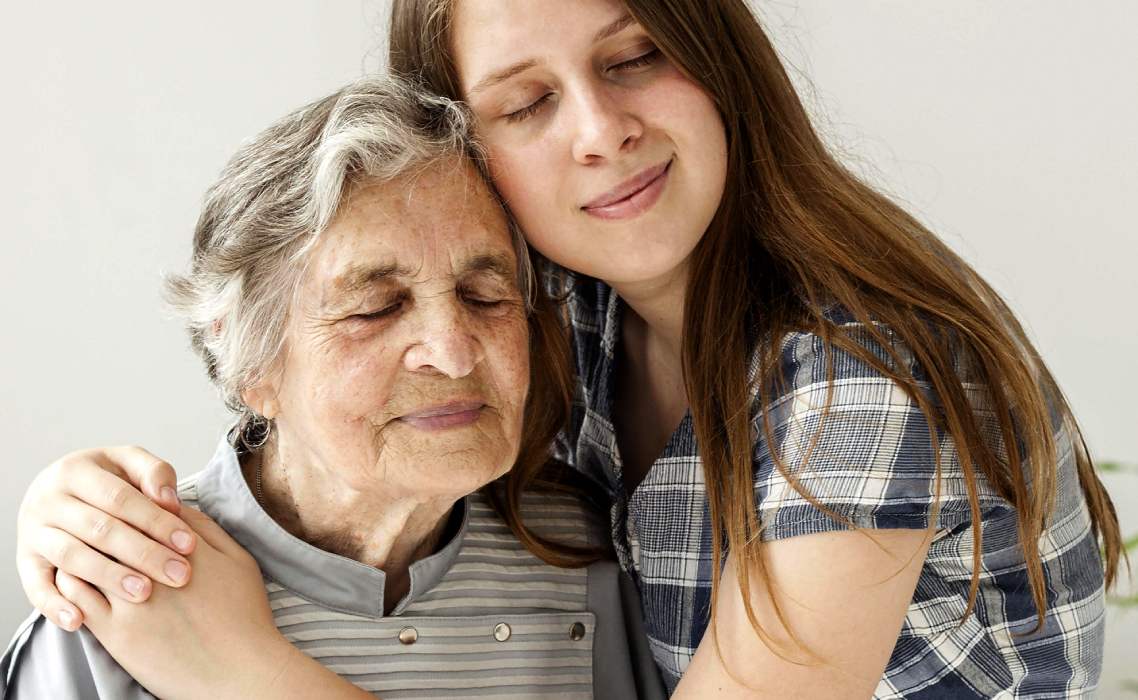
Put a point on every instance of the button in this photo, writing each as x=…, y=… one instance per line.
x=502, y=631
x=408, y=635
x=576, y=631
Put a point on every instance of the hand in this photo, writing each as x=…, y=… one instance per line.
x=213, y=638
x=85, y=509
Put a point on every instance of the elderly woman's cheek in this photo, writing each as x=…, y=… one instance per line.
x=508, y=354
x=506, y=342
x=355, y=375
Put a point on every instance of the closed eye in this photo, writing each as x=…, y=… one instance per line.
x=483, y=303
x=645, y=59
x=529, y=110
x=379, y=313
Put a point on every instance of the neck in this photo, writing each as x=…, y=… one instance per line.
x=370, y=525
x=658, y=305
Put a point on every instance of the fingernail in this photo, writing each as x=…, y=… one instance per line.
x=176, y=570
x=133, y=585
x=182, y=540
x=169, y=495
x=66, y=619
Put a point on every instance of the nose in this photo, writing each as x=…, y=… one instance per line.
x=445, y=345
x=604, y=127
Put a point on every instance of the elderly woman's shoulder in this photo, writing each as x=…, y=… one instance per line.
x=44, y=661
x=188, y=489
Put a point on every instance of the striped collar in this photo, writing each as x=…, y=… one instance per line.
x=327, y=579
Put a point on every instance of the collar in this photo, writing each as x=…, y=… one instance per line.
x=327, y=579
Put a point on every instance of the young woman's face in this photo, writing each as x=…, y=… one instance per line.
x=611, y=159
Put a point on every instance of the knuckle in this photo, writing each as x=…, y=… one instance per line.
x=72, y=462
x=155, y=520
x=151, y=557
x=101, y=528
x=118, y=495
x=37, y=509
x=63, y=469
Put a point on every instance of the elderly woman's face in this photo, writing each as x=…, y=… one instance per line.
x=407, y=361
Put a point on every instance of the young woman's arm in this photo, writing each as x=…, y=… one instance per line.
x=843, y=595
x=214, y=638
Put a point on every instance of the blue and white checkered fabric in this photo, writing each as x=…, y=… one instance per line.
x=873, y=465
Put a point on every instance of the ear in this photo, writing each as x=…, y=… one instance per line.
x=262, y=398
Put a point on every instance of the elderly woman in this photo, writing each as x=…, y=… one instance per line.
x=362, y=304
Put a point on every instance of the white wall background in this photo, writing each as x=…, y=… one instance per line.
x=1009, y=127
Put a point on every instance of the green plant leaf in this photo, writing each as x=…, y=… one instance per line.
x=1114, y=467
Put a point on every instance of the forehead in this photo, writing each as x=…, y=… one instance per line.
x=487, y=33
x=431, y=221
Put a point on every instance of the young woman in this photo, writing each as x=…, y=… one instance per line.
x=836, y=464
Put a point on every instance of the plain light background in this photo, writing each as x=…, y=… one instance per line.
x=1007, y=127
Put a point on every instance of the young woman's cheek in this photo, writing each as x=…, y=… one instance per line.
x=536, y=176
x=528, y=180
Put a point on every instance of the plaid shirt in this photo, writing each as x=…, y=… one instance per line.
x=874, y=465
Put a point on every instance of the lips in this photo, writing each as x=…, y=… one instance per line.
x=446, y=415
x=631, y=197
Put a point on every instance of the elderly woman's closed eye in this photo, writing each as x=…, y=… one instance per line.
x=364, y=306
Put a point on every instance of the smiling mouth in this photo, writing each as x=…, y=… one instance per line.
x=449, y=415
x=632, y=197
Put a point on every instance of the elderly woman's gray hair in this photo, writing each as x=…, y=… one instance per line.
x=273, y=200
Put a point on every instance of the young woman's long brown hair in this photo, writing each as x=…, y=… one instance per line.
x=800, y=233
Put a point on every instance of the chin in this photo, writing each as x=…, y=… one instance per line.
x=633, y=267
x=624, y=257
x=454, y=474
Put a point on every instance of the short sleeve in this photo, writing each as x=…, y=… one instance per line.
x=43, y=661
x=869, y=457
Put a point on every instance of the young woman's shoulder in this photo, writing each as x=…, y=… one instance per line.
x=844, y=445
x=848, y=351
x=834, y=425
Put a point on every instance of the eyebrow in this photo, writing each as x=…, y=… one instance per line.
x=503, y=75
x=613, y=28
x=358, y=277
x=510, y=71
x=496, y=263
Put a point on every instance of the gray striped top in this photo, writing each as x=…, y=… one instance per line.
x=483, y=618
